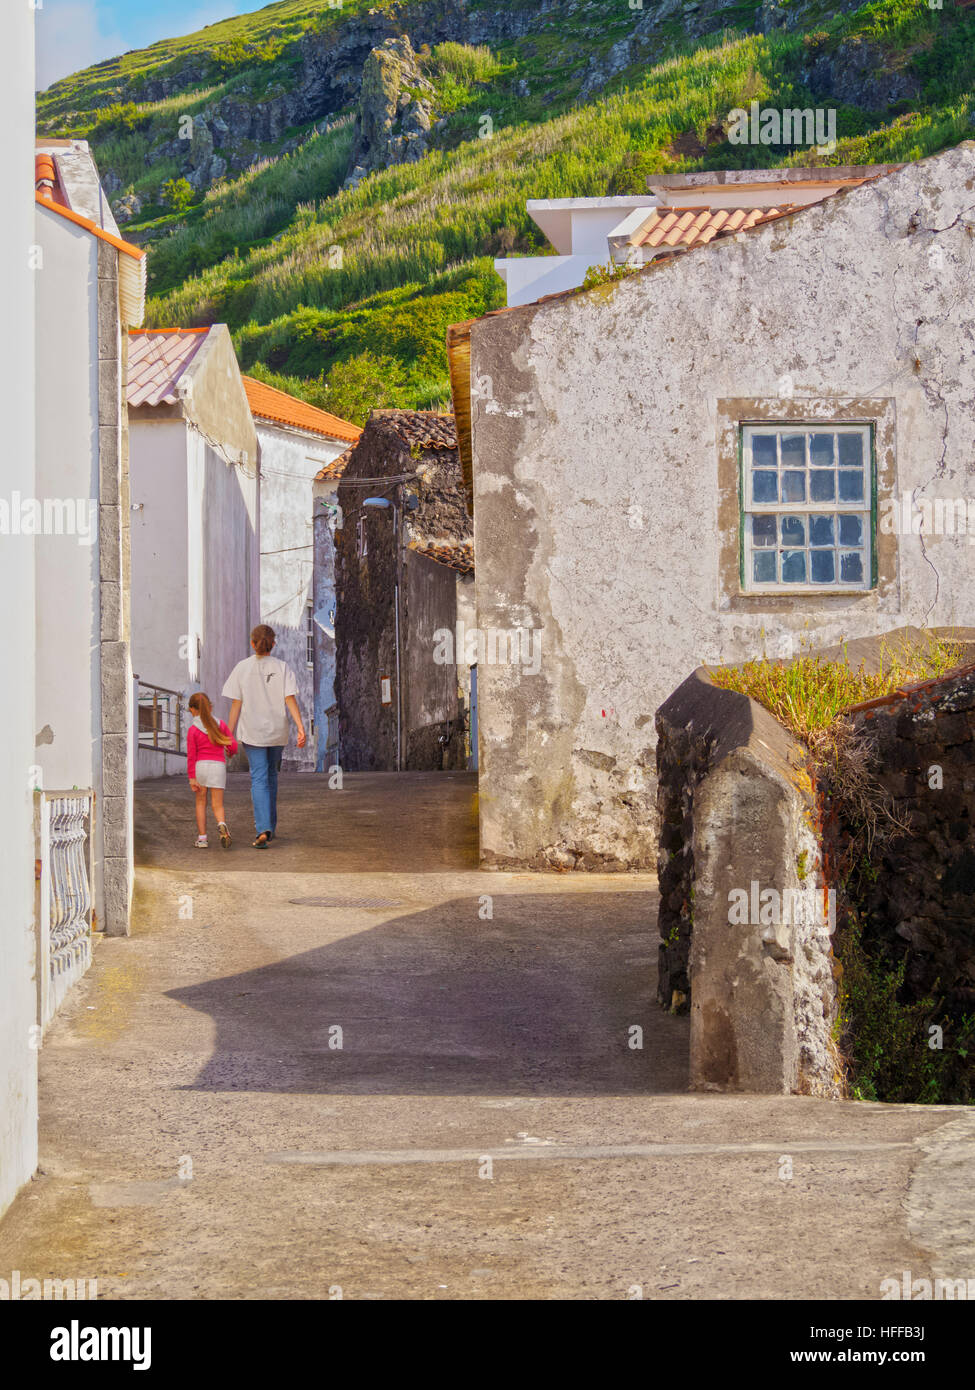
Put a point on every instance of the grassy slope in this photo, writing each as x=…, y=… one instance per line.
x=309, y=277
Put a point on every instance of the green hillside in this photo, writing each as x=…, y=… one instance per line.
x=343, y=295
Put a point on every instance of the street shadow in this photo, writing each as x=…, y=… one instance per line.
x=406, y=822
x=551, y=996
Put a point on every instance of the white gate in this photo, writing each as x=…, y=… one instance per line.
x=64, y=910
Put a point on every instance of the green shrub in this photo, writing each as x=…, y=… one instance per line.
x=177, y=194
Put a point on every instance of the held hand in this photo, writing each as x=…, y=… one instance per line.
x=301, y=740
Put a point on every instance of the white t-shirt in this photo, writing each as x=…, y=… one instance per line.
x=261, y=684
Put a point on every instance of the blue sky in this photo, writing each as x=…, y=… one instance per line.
x=73, y=34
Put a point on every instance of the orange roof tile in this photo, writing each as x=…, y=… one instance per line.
x=336, y=468
x=158, y=357
x=697, y=226
x=456, y=555
x=268, y=403
x=46, y=202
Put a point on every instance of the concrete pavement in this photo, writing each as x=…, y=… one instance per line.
x=354, y=1064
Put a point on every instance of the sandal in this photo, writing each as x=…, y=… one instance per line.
x=224, y=834
x=261, y=841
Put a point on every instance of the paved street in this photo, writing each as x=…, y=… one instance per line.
x=354, y=1062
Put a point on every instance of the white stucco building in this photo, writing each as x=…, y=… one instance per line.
x=18, y=1001
x=636, y=228
x=760, y=443
x=195, y=561
x=66, y=804
x=300, y=446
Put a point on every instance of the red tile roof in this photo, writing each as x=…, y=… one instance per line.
x=335, y=469
x=158, y=357
x=457, y=555
x=45, y=201
x=427, y=429
x=697, y=226
x=268, y=403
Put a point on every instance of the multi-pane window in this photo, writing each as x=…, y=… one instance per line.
x=310, y=634
x=807, y=519
x=361, y=541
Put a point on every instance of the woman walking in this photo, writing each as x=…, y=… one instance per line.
x=208, y=744
x=263, y=692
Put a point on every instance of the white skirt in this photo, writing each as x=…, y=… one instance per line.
x=210, y=773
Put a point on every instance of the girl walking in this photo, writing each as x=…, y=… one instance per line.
x=263, y=692
x=208, y=744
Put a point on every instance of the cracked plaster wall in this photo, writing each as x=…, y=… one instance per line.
x=599, y=512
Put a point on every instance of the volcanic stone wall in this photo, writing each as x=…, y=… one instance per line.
x=923, y=893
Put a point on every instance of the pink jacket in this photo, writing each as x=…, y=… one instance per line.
x=200, y=748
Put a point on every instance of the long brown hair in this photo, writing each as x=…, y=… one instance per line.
x=263, y=639
x=200, y=705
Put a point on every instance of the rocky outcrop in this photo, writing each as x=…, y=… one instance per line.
x=860, y=74
x=125, y=209
x=395, y=106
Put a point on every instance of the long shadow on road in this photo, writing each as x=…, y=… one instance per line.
x=554, y=996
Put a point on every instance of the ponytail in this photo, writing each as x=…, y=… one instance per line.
x=263, y=639
x=200, y=706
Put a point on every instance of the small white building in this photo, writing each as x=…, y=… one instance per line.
x=299, y=449
x=677, y=211
x=195, y=546
x=89, y=287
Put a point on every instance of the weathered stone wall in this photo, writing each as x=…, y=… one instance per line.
x=606, y=499
x=390, y=447
x=744, y=921
x=922, y=898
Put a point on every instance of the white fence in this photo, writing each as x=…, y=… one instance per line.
x=65, y=898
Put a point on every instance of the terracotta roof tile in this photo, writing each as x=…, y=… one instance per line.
x=268, y=403
x=428, y=429
x=697, y=226
x=457, y=555
x=157, y=360
x=336, y=468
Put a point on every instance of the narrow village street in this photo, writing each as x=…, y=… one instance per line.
x=203, y=1136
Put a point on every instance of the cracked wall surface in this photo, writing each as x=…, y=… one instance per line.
x=601, y=512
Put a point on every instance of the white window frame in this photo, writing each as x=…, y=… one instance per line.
x=361, y=539
x=749, y=508
x=310, y=636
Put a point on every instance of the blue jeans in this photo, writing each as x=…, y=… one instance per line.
x=264, y=764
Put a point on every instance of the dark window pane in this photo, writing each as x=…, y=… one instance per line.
x=793, y=487
x=763, y=451
x=851, y=530
x=821, y=531
x=821, y=450
x=822, y=566
x=763, y=530
x=793, y=567
x=763, y=567
x=851, y=450
x=793, y=450
x=793, y=530
x=851, y=485
x=822, y=486
x=851, y=567
x=765, y=486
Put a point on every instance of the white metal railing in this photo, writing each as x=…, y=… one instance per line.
x=64, y=822
x=160, y=717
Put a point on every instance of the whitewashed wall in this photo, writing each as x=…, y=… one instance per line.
x=601, y=459
x=18, y=1002
x=289, y=461
x=68, y=725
